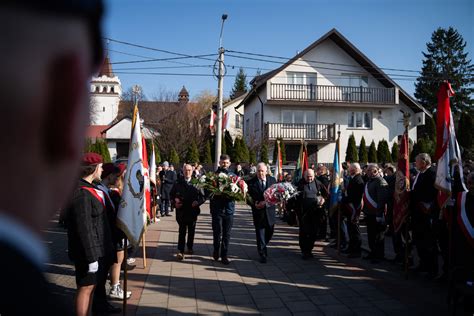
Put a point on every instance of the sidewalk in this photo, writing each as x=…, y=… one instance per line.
x=286, y=285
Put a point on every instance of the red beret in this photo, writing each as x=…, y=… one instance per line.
x=91, y=159
x=108, y=169
x=122, y=166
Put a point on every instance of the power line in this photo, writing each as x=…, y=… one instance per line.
x=161, y=59
x=163, y=67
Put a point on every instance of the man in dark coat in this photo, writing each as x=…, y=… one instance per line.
x=375, y=201
x=222, y=211
x=186, y=199
x=352, y=204
x=425, y=215
x=52, y=136
x=167, y=179
x=313, y=195
x=263, y=215
x=90, y=239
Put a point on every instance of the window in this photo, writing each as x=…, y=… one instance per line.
x=361, y=120
x=103, y=109
x=256, y=122
x=247, y=124
x=301, y=78
x=298, y=117
x=238, y=121
x=353, y=80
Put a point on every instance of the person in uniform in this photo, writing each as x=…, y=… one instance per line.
x=311, y=199
x=263, y=215
x=375, y=200
x=186, y=199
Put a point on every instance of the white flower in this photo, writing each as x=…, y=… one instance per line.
x=234, y=188
x=202, y=179
x=223, y=175
x=222, y=187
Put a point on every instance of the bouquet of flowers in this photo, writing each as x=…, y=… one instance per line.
x=279, y=192
x=229, y=186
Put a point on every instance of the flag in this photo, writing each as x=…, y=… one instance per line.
x=153, y=164
x=146, y=178
x=337, y=179
x=278, y=164
x=402, y=185
x=213, y=119
x=447, y=148
x=131, y=217
x=302, y=164
x=225, y=122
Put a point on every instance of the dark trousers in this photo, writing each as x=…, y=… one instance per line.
x=190, y=227
x=165, y=207
x=376, y=237
x=264, y=235
x=310, y=223
x=355, y=240
x=221, y=228
x=100, y=296
x=425, y=242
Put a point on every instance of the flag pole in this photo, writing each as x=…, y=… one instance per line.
x=144, y=247
x=125, y=277
x=406, y=123
x=338, y=230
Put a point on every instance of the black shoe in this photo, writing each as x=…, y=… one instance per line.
x=215, y=255
x=368, y=257
x=189, y=251
x=225, y=260
x=374, y=261
x=106, y=308
x=263, y=259
x=307, y=256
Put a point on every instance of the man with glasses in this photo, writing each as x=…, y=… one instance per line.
x=50, y=50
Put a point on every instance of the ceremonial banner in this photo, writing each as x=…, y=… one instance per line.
x=337, y=179
x=278, y=164
x=447, y=148
x=132, y=214
x=302, y=164
x=402, y=185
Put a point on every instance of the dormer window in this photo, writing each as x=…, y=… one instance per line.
x=112, y=90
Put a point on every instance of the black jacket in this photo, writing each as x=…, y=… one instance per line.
x=89, y=236
x=305, y=204
x=264, y=216
x=354, y=191
x=220, y=204
x=168, y=179
x=423, y=195
x=187, y=193
x=378, y=191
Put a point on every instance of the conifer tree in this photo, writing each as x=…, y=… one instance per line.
x=372, y=157
x=252, y=156
x=383, y=152
x=229, y=145
x=174, y=158
x=363, y=156
x=351, y=150
x=192, y=154
x=446, y=58
x=240, y=84
x=264, y=153
x=206, y=155
x=395, y=151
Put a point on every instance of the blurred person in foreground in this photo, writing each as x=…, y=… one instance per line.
x=53, y=49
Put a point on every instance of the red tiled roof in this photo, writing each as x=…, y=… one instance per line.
x=95, y=131
x=106, y=68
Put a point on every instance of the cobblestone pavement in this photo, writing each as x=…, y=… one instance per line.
x=287, y=285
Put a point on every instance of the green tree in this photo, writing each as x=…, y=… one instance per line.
x=383, y=152
x=174, y=158
x=351, y=150
x=192, y=155
x=252, y=156
x=446, y=58
x=395, y=151
x=229, y=145
x=223, y=147
x=87, y=145
x=206, y=156
x=283, y=151
x=100, y=147
x=238, y=150
x=240, y=84
x=363, y=156
x=423, y=145
x=157, y=155
x=465, y=131
x=372, y=157
x=264, y=153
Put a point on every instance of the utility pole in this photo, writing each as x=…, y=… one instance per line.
x=220, y=93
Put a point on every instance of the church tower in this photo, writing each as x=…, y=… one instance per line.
x=106, y=91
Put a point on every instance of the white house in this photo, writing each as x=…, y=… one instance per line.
x=330, y=86
x=235, y=117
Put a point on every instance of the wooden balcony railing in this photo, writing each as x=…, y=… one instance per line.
x=317, y=132
x=310, y=92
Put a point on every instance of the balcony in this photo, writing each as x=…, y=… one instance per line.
x=310, y=92
x=308, y=132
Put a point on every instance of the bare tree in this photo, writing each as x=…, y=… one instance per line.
x=93, y=111
x=164, y=94
x=128, y=94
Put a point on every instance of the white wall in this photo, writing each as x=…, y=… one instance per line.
x=231, y=112
x=251, y=108
x=105, y=108
x=112, y=146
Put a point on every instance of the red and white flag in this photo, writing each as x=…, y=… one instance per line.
x=212, y=120
x=225, y=122
x=402, y=185
x=279, y=164
x=447, y=148
x=132, y=215
x=146, y=179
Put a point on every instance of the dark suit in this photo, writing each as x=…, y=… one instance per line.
x=19, y=276
x=264, y=218
x=167, y=179
x=186, y=215
x=352, y=201
x=425, y=212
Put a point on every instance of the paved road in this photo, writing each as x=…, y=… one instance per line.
x=287, y=285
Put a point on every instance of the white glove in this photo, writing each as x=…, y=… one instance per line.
x=93, y=267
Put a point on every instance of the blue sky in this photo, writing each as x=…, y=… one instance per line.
x=392, y=34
